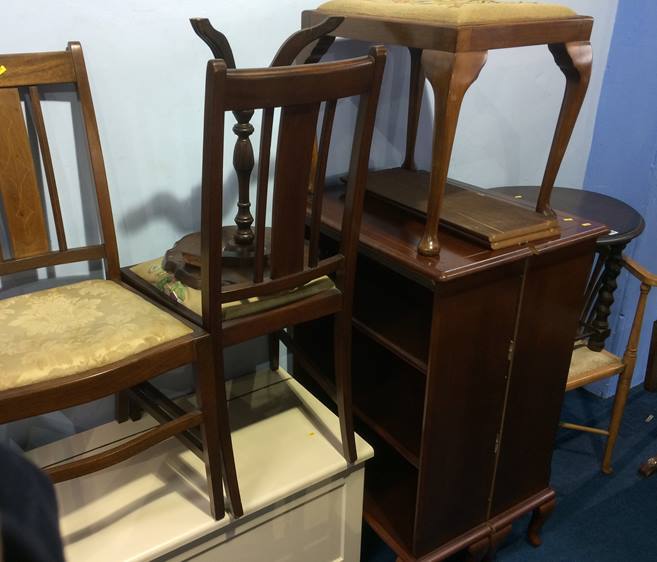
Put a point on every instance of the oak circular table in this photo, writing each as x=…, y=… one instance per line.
x=625, y=224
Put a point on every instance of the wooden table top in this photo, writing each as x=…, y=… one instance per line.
x=456, y=38
x=390, y=235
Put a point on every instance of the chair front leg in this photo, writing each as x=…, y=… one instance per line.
x=217, y=442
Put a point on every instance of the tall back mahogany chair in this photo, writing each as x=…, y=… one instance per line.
x=79, y=342
x=292, y=284
x=587, y=366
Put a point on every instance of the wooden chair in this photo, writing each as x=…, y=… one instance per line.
x=588, y=366
x=79, y=342
x=292, y=285
x=649, y=467
x=306, y=46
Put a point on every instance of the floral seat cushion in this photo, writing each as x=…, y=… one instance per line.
x=452, y=12
x=153, y=273
x=67, y=330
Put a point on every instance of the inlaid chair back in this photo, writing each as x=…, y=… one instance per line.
x=24, y=214
x=299, y=92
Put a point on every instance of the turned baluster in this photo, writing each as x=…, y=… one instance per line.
x=243, y=160
x=243, y=163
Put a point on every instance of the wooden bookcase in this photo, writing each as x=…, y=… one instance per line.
x=459, y=366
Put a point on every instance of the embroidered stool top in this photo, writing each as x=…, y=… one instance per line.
x=453, y=12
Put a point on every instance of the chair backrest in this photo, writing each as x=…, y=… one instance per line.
x=299, y=92
x=25, y=219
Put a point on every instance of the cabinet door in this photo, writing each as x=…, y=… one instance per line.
x=553, y=297
x=472, y=328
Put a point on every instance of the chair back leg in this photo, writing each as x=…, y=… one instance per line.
x=126, y=409
x=274, y=351
x=625, y=379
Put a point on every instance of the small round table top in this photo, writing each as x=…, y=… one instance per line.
x=624, y=222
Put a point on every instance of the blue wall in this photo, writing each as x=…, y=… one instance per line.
x=623, y=158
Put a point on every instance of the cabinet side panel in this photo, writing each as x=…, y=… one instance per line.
x=473, y=325
x=552, y=301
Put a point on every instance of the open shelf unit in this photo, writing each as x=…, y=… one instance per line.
x=380, y=379
x=457, y=375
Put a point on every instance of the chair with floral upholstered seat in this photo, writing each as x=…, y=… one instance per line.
x=75, y=343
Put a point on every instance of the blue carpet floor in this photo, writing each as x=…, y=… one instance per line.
x=598, y=518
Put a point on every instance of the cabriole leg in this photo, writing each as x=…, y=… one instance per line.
x=574, y=60
x=450, y=75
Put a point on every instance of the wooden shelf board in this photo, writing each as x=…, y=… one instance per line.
x=389, y=309
x=392, y=346
x=388, y=395
x=390, y=509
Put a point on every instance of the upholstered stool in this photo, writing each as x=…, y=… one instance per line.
x=449, y=42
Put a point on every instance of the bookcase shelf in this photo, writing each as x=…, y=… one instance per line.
x=457, y=375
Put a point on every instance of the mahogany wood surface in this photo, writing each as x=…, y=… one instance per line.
x=416, y=91
x=390, y=236
x=239, y=238
x=442, y=37
x=242, y=247
x=464, y=402
x=241, y=243
x=450, y=76
x=475, y=340
x=480, y=215
x=550, y=304
x=575, y=60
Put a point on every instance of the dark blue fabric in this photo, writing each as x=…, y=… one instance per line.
x=28, y=512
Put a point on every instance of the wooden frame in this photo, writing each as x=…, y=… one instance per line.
x=298, y=91
x=31, y=249
x=624, y=367
x=451, y=58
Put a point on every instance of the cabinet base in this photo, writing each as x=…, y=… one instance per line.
x=482, y=542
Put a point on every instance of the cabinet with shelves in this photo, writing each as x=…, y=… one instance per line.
x=458, y=367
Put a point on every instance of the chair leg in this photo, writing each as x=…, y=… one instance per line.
x=217, y=442
x=622, y=391
x=342, y=351
x=274, y=351
x=121, y=406
x=125, y=409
